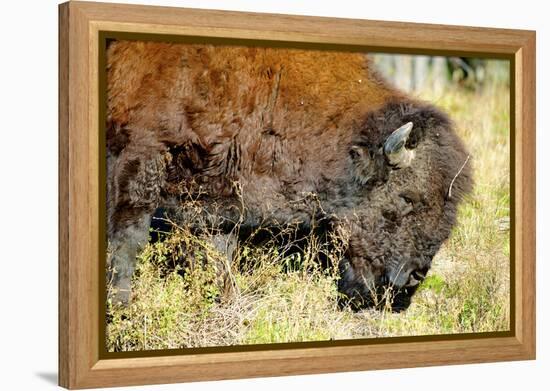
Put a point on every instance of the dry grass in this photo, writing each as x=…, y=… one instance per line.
x=286, y=299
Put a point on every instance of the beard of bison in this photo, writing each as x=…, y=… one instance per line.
x=406, y=174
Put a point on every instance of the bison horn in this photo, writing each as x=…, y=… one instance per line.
x=395, y=151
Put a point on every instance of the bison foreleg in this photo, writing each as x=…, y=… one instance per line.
x=225, y=244
x=124, y=247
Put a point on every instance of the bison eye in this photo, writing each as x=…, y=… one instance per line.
x=407, y=203
x=407, y=199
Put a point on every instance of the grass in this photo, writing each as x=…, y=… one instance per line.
x=284, y=299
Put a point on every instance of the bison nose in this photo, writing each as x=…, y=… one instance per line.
x=397, y=279
x=403, y=279
x=416, y=277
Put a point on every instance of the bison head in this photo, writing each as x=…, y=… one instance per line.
x=410, y=171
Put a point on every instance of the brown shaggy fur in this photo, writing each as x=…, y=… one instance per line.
x=282, y=136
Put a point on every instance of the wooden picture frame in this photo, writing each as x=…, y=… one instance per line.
x=81, y=362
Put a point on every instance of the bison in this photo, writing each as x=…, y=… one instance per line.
x=280, y=136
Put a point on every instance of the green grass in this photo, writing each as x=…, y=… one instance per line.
x=467, y=289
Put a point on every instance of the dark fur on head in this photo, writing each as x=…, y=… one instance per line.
x=406, y=213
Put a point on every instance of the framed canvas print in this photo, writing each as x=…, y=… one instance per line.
x=248, y=195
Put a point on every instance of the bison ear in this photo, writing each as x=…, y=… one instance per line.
x=395, y=150
x=363, y=163
x=359, y=153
